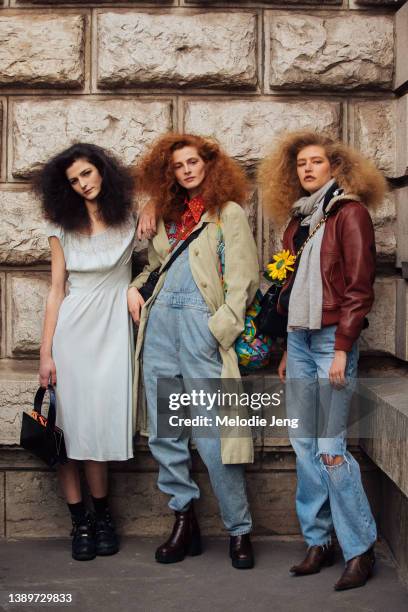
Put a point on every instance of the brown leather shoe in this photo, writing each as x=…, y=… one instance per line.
x=316, y=558
x=241, y=553
x=357, y=571
x=185, y=539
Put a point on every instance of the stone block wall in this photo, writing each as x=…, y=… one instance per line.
x=120, y=73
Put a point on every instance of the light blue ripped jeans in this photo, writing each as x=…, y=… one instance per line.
x=327, y=496
x=178, y=344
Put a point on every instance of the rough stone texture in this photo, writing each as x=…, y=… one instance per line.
x=401, y=197
x=247, y=128
x=41, y=128
x=2, y=524
x=402, y=135
x=34, y=505
x=394, y=522
x=380, y=335
x=272, y=239
x=401, y=40
x=401, y=331
x=385, y=226
x=22, y=239
x=26, y=298
x=385, y=441
x=141, y=509
x=335, y=52
x=15, y=396
x=375, y=133
x=36, y=508
x=177, y=50
x=41, y=50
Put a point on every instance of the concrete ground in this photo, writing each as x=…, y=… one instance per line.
x=132, y=580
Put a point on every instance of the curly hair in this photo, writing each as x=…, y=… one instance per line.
x=224, y=179
x=63, y=206
x=280, y=184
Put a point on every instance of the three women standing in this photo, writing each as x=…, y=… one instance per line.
x=87, y=343
x=188, y=327
x=326, y=188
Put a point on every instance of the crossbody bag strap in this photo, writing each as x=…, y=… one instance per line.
x=316, y=229
x=182, y=247
x=221, y=252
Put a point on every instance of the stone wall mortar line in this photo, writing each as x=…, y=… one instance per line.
x=87, y=53
x=3, y=314
x=137, y=93
x=4, y=139
x=4, y=505
x=94, y=51
x=345, y=118
x=266, y=51
x=200, y=5
x=263, y=5
x=6, y=314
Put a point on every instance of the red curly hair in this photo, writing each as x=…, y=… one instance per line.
x=224, y=179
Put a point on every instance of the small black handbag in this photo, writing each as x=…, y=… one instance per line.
x=40, y=435
x=268, y=321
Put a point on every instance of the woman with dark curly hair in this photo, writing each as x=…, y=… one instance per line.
x=87, y=343
x=325, y=188
x=188, y=327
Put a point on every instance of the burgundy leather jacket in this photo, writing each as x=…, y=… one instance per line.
x=347, y=262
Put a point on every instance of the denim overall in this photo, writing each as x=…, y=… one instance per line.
x=327, y=496
x=178, y=343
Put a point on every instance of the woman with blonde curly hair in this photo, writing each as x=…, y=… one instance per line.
x=188, y=326
x=325, y=189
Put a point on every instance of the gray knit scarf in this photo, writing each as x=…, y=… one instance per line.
x=306, y=298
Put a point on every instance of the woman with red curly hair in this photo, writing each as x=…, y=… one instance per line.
x=187, y=328
x=325, y=189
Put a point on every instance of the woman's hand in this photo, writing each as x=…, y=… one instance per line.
x=135, y=303
x=282, y=367
x=47, y=371
x=337, y=369
x=146, y=225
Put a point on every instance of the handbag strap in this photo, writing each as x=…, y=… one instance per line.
x=310, y=236
x=182, y=247
x=52, y=410
x=221, y=244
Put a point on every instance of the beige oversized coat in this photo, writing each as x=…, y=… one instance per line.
x=227, y=315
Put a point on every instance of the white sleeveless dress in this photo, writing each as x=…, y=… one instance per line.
x=93, y=345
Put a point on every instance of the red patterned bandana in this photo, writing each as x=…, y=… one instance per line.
x=190, y=217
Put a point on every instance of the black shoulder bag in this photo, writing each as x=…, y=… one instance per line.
x=40, y=435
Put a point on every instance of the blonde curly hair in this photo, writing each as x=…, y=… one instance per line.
x=277, y=174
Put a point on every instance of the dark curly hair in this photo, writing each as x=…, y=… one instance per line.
x=225, y=180
x=63, y=206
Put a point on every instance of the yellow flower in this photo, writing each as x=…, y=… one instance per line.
x=279, y=268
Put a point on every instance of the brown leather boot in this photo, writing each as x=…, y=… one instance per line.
x=241, y=553
x=357, y=571
x=185, y=538
x=316, y=558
